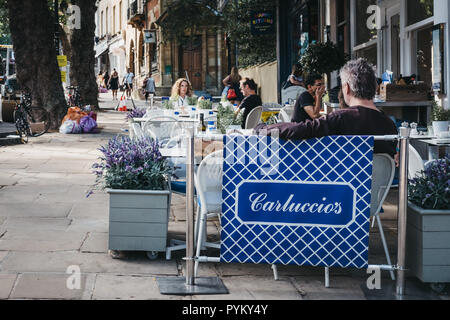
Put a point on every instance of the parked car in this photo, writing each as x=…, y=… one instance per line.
x=10, y=88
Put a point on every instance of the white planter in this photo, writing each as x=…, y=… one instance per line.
x=138, y=220
x=440, y=126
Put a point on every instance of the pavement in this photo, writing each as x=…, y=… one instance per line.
x=49, y=231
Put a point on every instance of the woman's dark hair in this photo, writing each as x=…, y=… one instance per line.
x=250, y=83
x=312, y=79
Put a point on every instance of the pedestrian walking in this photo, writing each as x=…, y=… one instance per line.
x=128, y=82
x=106, y=79
x=113, y=83
x=149, y=88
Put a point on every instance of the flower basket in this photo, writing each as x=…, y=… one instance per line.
x=136, y=177
x=428, y=225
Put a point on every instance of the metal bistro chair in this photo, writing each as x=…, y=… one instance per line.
x=382, y=176
x=254, y=118
x=136, y=131
x=284, y=116
x=167, y=130
x=208, y=184
x=415, y=164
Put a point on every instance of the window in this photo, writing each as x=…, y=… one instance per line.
x=369, y=53
x=114, y=20
x=424, y=55
x=342, y=22
x=106, y=21
x=120, y=16
x=101, y=25
x=419, y=10
x=363, y=33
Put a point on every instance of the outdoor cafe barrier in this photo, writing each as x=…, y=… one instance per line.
x=303, y=203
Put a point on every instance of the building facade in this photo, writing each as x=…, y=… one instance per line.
x=407, y=37
x=129, y=36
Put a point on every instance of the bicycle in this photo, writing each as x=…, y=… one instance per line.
x=74, y=97
x=30, y=121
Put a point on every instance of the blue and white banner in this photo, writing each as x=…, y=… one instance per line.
x=297, y=202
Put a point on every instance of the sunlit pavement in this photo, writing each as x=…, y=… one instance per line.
x=49, y=229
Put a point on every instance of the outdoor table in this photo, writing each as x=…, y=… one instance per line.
x=437, y=148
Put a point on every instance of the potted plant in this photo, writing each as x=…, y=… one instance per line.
x=136, y=177
x=428, y=225
x=322, y=58
x=441, y=119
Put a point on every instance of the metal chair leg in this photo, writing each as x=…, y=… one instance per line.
x=386, y=250
x=327, y=277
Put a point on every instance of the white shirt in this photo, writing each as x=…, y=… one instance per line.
x=181, y=102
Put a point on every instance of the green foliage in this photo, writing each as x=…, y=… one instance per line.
x=192, y=101
x=226, y=118
x=252, y=49
x=168, y=104
x=431, y=189
x=186, y=18
x=321, y=58
x=439, y=113
x=204, y=104
x=5, y=35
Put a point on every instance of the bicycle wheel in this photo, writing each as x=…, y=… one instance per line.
x=21, y=126
x=39, y=121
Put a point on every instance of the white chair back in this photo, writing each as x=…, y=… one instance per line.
x=208, y=182
x=162, y=128
x=137, y=131
x=415, y=163
x=284, y=116
x=254, y=118
x=382, y=177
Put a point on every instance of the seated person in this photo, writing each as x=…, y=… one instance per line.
x=360, y=118
x=181, y=90
x=309, y=104
x=251, y=100
x=295, y=78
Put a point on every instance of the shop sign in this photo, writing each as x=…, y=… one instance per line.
x=262, y=22
x=297, y=202
x=149, y=36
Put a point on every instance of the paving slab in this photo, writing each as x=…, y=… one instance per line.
x=255, y=288
x=341, y=287
x=47, y=286
x=117, y=287
x=95, y=243
x=88, y=225
x=87, y=209
x=6, y=284
x=42, y=210
x=36, y=223
x=58, y=262
x=8, y=180
x=41, y=240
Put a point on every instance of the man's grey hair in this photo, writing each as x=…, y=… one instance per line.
x=360, y=76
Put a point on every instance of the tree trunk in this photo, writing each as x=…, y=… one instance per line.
x=82, y=64
x=32, y=32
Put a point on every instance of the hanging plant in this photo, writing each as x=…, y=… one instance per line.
x=322, y=58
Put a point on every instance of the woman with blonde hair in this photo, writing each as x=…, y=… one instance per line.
x=181, y=90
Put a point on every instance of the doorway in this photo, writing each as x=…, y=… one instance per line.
x=191, y=62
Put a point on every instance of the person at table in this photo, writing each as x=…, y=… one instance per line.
x=360, y=118
x=248, y=88
x=295, y=78
x=309, y=104
x=181, y=90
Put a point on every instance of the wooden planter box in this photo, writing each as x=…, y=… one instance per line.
x=428, y=244
x=138, y=220
x=393, y=92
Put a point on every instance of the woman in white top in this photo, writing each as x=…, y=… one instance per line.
x=181, y=90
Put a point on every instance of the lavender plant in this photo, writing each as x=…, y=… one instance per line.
x=431, y=189
x=135, y=113
x=131, y=164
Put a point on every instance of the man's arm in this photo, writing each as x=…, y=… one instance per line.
x=314, y=111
